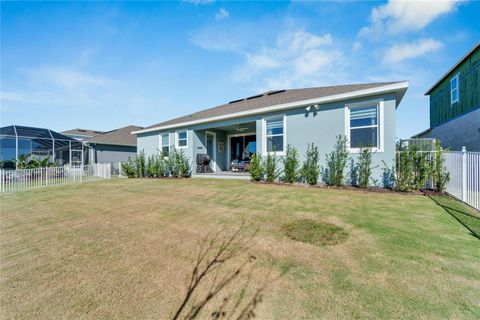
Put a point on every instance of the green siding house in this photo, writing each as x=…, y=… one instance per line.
x=455, y=105
x=267, y=123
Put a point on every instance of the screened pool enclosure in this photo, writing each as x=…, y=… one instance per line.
x=27, y=143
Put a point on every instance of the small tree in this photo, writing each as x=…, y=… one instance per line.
x=310, y=168
x=271, y=170
x=440, y=175
x=291, y=164
x=140, y=164
x=256, y=167
x=337, y=162
x=364, y=167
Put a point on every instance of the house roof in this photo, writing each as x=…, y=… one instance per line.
x=121, y=137
x=476, y=47
x=421, y=133
x=280, y=100
x=82, y=132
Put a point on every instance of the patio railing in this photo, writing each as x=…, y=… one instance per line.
x=23, y=179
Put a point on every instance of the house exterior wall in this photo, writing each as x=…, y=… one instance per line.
x=110, y=153
x=463, y=131
x=441, y=109
x=302, y=127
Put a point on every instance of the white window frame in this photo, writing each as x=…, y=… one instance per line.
x=457, y=78
x=160, y=142
x=177, y=135
x=379, y=125
x=264, y=134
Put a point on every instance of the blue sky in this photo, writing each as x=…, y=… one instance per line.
x=105, y=65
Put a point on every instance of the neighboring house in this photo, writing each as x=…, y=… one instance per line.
x=113, y=146
x=455, y=105
x=271, y=121
x=81, y=134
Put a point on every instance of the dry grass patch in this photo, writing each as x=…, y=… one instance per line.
x=315, y=232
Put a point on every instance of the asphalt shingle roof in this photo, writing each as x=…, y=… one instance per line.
x=121, y=137
x=270, y=98
x=82, y=132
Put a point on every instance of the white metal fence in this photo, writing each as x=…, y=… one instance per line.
x=15, y=180
x=464, y=169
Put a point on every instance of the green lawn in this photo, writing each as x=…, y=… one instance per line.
x=127, y=248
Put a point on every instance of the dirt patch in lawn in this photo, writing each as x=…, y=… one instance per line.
x=315, y=232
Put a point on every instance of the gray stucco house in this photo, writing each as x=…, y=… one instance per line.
x=455, y=105
x=271, y=121
x=112, y=146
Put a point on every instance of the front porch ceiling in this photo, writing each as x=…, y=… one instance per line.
x=241, y=127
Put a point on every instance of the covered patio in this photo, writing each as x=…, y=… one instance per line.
x=228, y=147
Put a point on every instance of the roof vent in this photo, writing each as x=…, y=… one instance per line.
x=275, y=92
x=235, y=101
x=254, y=97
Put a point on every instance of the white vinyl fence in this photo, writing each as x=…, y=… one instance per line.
x=22, y=179
x=464, y=169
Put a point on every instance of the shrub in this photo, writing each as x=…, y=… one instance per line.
x=129, y=168
x=421, y=167
x=151, y=166
x=184, y=168
x=439, y=172
x=404, y=173
x=364, y=167
x=310, y=168
x=162, y=169
x=172, y=164
x=140, y=164
x=337, y=162
x=271, y=167
x=256, y=167
x=412, y=169
x=290, y=165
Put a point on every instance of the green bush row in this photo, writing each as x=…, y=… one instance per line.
x=414, y=168
x=310, y=171
x=411, y=171
x=176, y=165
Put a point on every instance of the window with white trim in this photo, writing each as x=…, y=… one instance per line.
x=454, y=88
x=275, y=135
x=364, y=127
x=165, y=144
x=182, y=139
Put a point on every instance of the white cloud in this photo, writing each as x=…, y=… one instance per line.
x=67, y=77
x=400, y=52
x=222, y=14
x=357, y=45
x=400, y=16
x=297, y=59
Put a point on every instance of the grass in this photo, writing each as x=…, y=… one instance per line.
x=314, y=232
x=126, y=249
